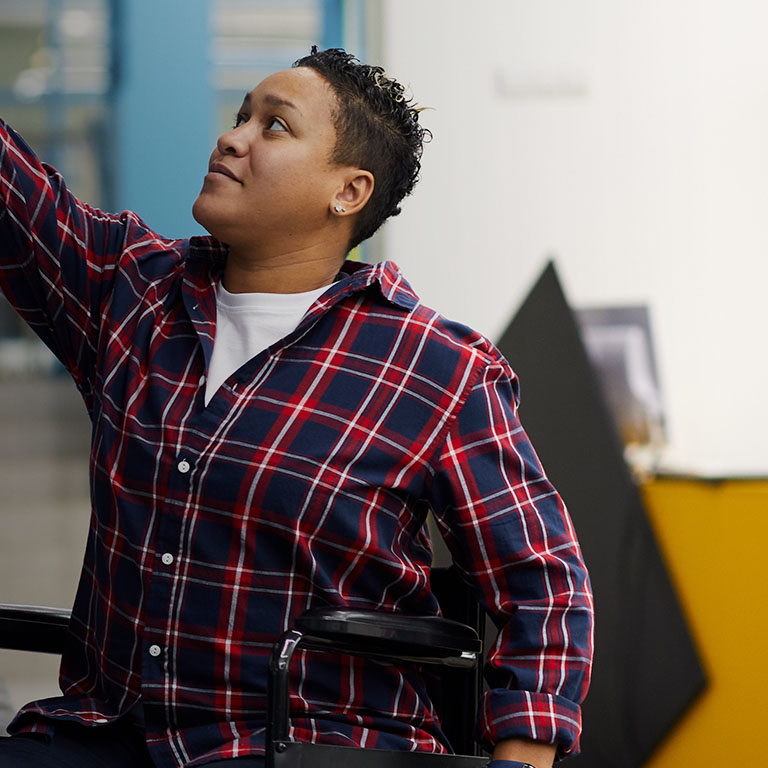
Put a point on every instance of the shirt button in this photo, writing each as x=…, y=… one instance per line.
x=183, y=466
x=101, y=720
x=202, y=380
x=167, y=558
x=155, y=650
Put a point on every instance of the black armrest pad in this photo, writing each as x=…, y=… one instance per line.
x=370, y=632
x=33, y=628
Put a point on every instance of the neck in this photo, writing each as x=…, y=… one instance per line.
x=285, y=272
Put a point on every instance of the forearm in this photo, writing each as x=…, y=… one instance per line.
x=534, y=752
x=58, y=256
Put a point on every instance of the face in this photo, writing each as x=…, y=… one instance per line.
x=271, y=177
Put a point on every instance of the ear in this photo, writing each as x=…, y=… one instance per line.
x=353, y=194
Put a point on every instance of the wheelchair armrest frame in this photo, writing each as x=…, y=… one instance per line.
x=419, y=639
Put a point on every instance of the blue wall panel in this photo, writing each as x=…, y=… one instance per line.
x=333, y=24
x=163, y=109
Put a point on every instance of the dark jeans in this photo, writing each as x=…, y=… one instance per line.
x=77, y=746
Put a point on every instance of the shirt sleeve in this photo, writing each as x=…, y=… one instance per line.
x=57, y=256
x=511, y=535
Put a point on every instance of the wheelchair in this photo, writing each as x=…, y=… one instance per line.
x=449, y=648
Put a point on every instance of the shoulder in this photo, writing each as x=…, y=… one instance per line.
x=440, y=346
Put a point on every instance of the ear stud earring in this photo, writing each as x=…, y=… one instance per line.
x=338, y=208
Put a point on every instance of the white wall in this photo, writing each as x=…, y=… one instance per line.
x=629, y=139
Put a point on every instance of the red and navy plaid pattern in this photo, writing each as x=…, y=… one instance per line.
x=305, y=482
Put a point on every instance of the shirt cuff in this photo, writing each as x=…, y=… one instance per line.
x=540, y=717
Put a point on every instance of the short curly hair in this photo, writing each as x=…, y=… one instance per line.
x=377, y=129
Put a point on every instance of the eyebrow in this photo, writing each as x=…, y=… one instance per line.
x=273, y=101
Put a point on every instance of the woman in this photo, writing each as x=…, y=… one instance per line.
x=270, y=425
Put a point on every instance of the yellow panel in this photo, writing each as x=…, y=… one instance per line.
x=713, y=537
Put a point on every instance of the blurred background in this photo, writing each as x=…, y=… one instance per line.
x=625, y=140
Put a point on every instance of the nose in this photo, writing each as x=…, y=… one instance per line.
x=232, y=142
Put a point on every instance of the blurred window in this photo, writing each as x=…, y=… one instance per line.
x=254, y=38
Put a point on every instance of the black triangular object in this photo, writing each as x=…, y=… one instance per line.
x=646, y=669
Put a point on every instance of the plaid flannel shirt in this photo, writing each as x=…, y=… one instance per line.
x=305, y=481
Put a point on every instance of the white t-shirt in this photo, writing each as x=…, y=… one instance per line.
x=248, y=323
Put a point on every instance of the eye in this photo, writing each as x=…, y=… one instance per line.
x=276, y=125
x=240, y=119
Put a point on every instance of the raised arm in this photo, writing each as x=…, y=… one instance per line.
x=510, y=533
x=57, y=255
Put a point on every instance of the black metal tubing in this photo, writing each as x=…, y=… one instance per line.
x=279, y=691
x=33, y=628
x=333, y=756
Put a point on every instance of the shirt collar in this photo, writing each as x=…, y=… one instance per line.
x=385, y=276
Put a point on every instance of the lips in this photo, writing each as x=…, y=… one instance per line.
x=222, y=169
